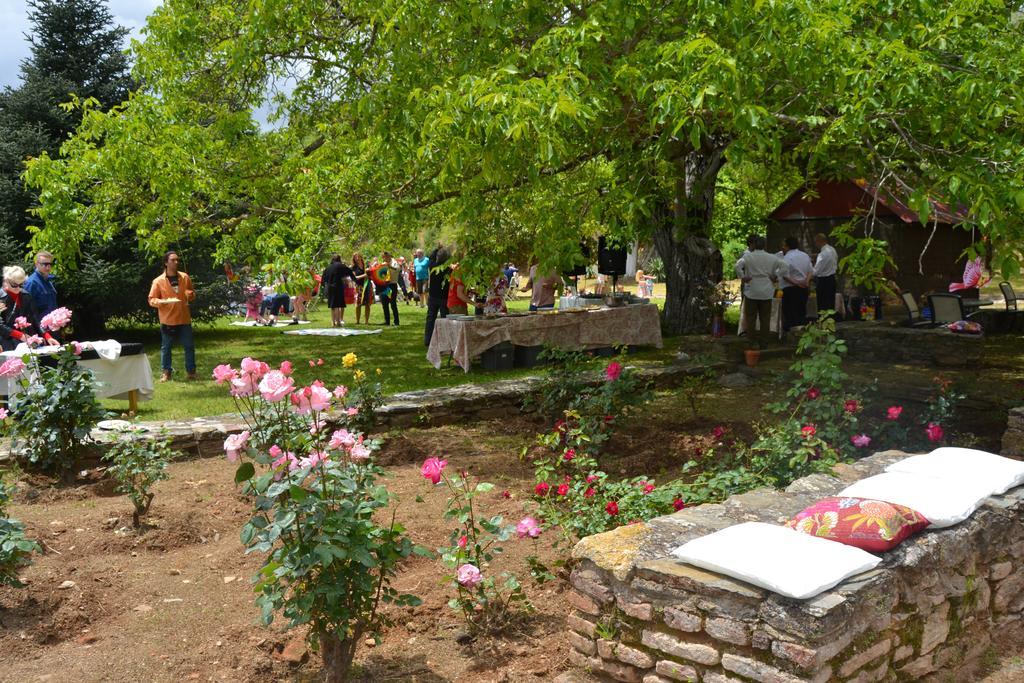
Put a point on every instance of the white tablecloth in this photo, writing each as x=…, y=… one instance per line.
x=114, y=378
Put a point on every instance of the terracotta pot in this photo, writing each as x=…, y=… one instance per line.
x=752, y=356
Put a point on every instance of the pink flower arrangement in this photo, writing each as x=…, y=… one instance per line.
x=12, y=367
x=893, y=413
x=528, y=526
x=275, y=385
x=851, y=405
x=613, y=371
x=432, y=469
x=468, y=576
x=860, y=440
x=612, y=508
x=22, y=323
x=55, y=319
x=813, y=393
x=808, y=431
x=934, y=432
x=542, y=488
x=235, y=444
x=224, y=373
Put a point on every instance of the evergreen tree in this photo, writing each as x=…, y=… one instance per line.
x=75, y=50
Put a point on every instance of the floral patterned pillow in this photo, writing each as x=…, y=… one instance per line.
x=872, y=525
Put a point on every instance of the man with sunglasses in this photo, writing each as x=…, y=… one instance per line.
x=40, y=284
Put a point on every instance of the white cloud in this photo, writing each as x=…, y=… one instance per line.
x=14, y=25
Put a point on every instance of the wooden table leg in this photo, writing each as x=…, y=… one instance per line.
x=133, y=401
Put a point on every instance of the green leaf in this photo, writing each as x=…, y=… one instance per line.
x=244, y=472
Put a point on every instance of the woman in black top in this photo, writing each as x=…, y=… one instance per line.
x=15, y=304
x=333, y=281
x=364, y=288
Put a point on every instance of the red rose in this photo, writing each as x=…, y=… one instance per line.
x=678, y=504
x=569, y=454
x=563, y=489
x=851, y=406
x=612, y=508
x=813, y=393
x=541, y=489
x=809, y=431
x=589, y=493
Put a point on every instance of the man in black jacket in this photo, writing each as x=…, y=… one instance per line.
x=437, y=290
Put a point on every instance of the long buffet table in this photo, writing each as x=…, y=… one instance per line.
x=578, y=328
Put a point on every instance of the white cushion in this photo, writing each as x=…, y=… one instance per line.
x=780, y=559
x=943, y=501
x=999, y=473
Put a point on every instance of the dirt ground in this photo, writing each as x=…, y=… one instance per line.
x=175, y=603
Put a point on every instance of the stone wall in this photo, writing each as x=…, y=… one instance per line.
x=937, y=603
x=1013, y=437
x=883, y=341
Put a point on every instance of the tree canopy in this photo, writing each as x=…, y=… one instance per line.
x=513, y=122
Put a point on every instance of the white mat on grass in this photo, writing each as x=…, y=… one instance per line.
x=332, y=332
x=279, y=323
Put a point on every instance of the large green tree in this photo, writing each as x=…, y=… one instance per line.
x=528, y=120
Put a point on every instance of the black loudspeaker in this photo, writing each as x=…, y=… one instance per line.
x=610, y=261
x=580, y=268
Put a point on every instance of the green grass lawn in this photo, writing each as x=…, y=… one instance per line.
x=398, y=351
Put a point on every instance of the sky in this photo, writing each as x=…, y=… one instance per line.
x=14, y=25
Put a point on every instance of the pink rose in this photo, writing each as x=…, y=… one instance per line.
x=934, y=432
x=648, y=488
x=77, y=346
x=562, y=489
x=613, y=371
x=893, y=413
x=314, y=459
x=589, y=493
x=55, y=319
x=860, y=440
x=34, y=341
x=813, y=393
x=244, y=385
x=851, y=406
x=341, y=439
x=463, y=541
x=311, y=398
x=468, y=576
x=224, y=373
x=12, y=367
x=591, y=478
x=4, y=414
x=528, y=526
x=569, y=454
x=286, y=367
x=284, y=459
x=234, y=445
x=340, y=391
x=432, y=469
x=351, y=411
x=275, y=385
x=22, y=323
x=256, y=368
x=359, y=452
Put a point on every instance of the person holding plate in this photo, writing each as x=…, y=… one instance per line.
x=170, y=295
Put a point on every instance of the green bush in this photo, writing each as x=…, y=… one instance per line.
x=136, y=463
x=54, y=414
x=15, y=548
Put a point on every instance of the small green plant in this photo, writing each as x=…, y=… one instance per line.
x=697, y=383
x=488, y=604
x=55, y=411
x=365, y=394
x=136, y=463
x=15, y=548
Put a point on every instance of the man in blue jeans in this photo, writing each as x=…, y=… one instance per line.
x=170, y=295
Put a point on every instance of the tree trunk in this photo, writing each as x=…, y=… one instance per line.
x=693, y=265
x=338, y=655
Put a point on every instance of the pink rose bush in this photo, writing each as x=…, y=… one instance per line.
x=310, y=475
x=487, y=603
x=613, y=371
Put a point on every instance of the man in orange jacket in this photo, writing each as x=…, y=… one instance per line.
x=170, y=295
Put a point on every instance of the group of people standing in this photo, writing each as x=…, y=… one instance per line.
x=358, y=284
x=792, y=271
x=25, y=300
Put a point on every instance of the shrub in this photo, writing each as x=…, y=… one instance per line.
x=55, y=411
x=365, y=394
x=488, y=604
x=15, y=549
x=329, y=562
x=136, y=463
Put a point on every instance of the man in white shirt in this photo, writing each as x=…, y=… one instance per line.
x=759, y=271
x=825, y=273
x=796, y=282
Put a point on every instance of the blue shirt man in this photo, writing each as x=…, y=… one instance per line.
x=40, y=284
x=422, y=266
